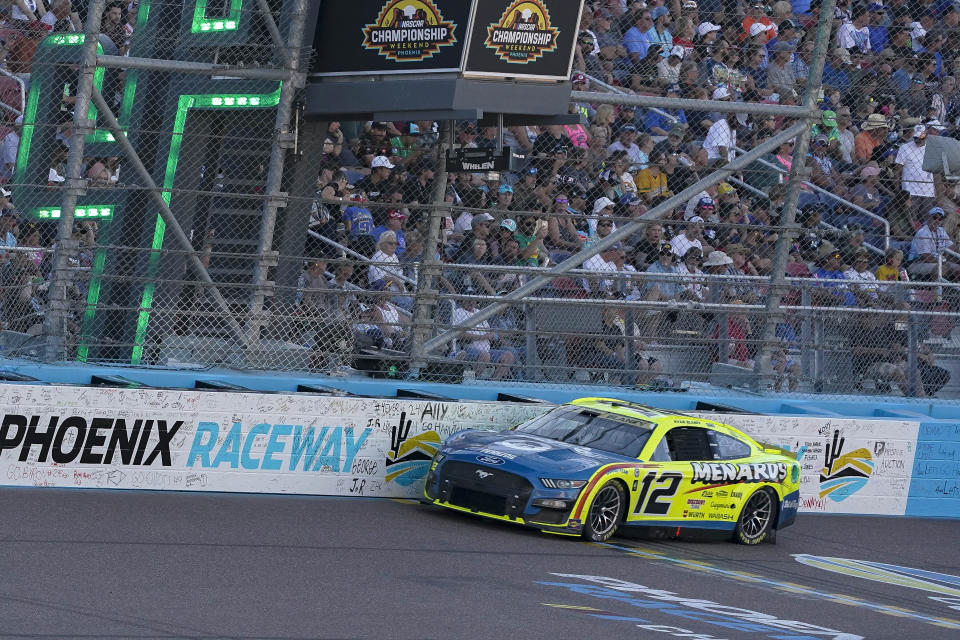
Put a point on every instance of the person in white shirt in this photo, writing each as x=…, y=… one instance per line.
x=601, y=263
x=692, y=237
x=477, y=339
x=8, y=149
x=625, y=142
x=385, y=273
x=927, y=247
x=856, y=33
x=912, y=177
x=722, y=138
x=26, y=10
x=692, y=288
x=860, y=271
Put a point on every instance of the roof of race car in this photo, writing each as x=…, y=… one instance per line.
x=641, y=411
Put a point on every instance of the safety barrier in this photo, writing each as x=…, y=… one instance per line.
x=180, y=440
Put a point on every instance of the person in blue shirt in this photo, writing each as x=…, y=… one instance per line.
x=635, y=40
x=658, y=33
x=658, y=124
x=395, y=220
x=879, y=36
x=832, y=269
x=357, y=218
x=834, y=71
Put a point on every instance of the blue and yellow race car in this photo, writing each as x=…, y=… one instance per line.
x=596, y=464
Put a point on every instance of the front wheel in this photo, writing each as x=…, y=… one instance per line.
x=605, y=513
x=756, y=519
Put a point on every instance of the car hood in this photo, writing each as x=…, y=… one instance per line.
x=529, y=452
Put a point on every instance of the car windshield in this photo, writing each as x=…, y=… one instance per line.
x=615, y=434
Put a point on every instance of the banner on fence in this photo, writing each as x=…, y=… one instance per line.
x=847, y=465
x=318, y=445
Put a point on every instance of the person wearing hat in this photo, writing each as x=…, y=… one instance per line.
x=504, y=233
x=690, y=237
x=757, y=23
x=418, y=188
x=378, y=182
x=873, y=133
x=406, y=145
x=827, y=127
x=626, y=142
x=831, y=268
x=926, y=255
x=859, y=270
x=780, y=76
x=788, y=33
x=908, y=167
x=394, y=223
x=659, y=33
x=865, y=193
x=665, y=263
x=835, y=69
x=668, y=69
x=480, y=227
x=879, y=36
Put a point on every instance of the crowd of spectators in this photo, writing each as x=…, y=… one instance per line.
x=869, y=212
x=888, y=85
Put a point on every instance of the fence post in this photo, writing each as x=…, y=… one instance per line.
x=778, y=276
x=276, y=199
x=55, y=323
x=427, y=281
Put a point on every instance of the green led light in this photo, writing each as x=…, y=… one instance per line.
x=216, y=25
x=91, y=211
x=184, y=105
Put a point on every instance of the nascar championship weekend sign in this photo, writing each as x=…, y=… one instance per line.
x=390, y=36
x=504, y=38
x=532, y=38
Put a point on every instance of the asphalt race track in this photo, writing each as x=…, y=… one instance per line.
x=99, y=564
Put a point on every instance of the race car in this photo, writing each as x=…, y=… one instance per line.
x=597, y=464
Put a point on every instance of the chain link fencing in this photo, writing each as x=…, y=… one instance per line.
x=266, y=275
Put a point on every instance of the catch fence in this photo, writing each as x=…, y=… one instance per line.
x=159, y=185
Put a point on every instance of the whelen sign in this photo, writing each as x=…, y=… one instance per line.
x=490, y=38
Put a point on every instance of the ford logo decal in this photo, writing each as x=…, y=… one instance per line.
x=490, y=460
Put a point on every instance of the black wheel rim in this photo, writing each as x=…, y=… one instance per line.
x=605, y=511
x=757, y=515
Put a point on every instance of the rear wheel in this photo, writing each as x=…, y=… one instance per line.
x=605, y=513
x=756, y=519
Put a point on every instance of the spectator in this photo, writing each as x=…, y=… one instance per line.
x=722, y=137
x=872, y=133
x=780, y=77
x=926, y=251
x=659, y=34
x=385, y=273
x=395, y=221
x=357, y=218
x=479, y=341
x=833, y=292
x=480, y=227
x=692, y=287
x=378, y=182
x=910, y=173
x=637, y=40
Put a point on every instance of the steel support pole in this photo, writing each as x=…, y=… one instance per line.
x=778, y=282
x=291, y=57
x=622, y=233
x=276, y=199
x=426, y=296
x=196, y=68
x=694, y=105
x=173, y=225
x=55, y=323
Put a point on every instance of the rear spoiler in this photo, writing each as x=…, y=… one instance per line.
x=772, y=448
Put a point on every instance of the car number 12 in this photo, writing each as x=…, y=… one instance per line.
x=649, y=502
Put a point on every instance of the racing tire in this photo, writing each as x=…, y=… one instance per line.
x=755, y=524
x=605, y=513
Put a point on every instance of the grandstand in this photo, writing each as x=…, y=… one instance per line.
x=168, y=202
